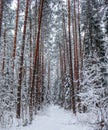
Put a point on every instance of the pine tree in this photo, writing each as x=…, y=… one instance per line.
x=1, y=15
x=70, y=62
x=16, y=31
x=36, y=56
x=94, y=60
x=18, y=111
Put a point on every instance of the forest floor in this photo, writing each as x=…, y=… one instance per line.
x=55, y=118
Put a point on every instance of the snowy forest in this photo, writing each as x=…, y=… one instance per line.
x=54, y=52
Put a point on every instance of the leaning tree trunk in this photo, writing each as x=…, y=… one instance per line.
x=36, y=58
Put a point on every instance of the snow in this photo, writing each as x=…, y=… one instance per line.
x=54, y=118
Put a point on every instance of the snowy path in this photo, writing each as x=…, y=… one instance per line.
x=54, y=118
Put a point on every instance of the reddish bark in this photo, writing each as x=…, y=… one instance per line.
x=76, y=54
x=16, y=30
x=71, y=65
x=1, y=14
x=36, y=56
x=18, y=111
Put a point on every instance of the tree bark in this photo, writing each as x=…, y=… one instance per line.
x=1, y=15
x=76, y=55
x=36, y=57
x=16, y=31
x=4, y=56
x=71, y=65
x=18, y=111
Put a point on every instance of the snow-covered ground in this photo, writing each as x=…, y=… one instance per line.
x=54, y=118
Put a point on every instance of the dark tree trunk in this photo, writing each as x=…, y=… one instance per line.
x=18, y=111
x=16, y=31
x=1, y=15
x=36, y=57
x=71, y=65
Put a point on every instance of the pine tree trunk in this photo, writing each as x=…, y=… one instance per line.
x=76, y=73
x=39, y=76
x=49, y=87
x=4, y=56
x=1, y=15
x=80, y=44
x=76, y=57
x=36, y=58
x=18, y=111
x=61, y=75
x=71, y=65
x=66, y=44
x=31, y=56
x=43, y=72
x=16, y=31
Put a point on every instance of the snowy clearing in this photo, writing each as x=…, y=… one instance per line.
x=54, y=118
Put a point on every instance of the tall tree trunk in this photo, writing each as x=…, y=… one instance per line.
x=4, y=56
x=18, y=111
x=36, y=57
x=31, y=61
x=1, y=14
x=49, y=87
x=80, y=44
x=76, y=53
x=38, y=81
x=43, y=72
x=16, y=31
x=35, y=20
x=61, y=75
x=71, y=65
x=30, y=26
x=76, y=47
x=66, y=43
